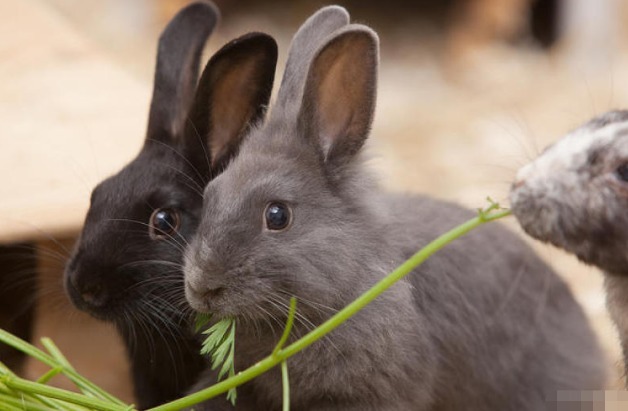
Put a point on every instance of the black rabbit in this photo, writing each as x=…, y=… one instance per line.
x=127, y=264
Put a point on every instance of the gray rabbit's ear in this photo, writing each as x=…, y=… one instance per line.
x=304, y=45
x=339, y=97
x=232, y=95
x=176, y=74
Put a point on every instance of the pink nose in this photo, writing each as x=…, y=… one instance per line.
x=518, y=183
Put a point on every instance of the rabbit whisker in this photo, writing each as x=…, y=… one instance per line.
x=180, y=246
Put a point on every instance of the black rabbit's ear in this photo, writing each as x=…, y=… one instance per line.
x=304, y=45
x=232, y=94
x=176, y=74
x=339, y=97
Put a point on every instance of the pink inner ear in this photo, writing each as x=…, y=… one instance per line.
x=233, y=96
x=345, y=94
x=335, y=105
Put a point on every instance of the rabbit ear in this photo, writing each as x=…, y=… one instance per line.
x=304, y=45
x=176, y=74
x=232, y=94
x=339, y=97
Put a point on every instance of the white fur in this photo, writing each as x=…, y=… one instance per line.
x=568, y=154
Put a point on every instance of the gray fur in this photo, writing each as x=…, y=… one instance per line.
x=483, y=325
x=302, y=48
x=572, y=197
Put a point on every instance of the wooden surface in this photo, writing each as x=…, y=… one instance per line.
x=70, y=117
x=65, y=124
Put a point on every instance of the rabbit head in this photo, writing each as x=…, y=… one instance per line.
x=127, y=263
x=575, y=193
x=300, y=221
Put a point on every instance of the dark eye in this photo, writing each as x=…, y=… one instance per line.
x=277, y=216
x=622, y=172
x=163, y=223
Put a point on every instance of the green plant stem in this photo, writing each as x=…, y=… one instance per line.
x=484, y=216
x=22, y=404
x=86, y=386
x=21, y=385
x=13, y=397
x=285, y=382
x=26, y=348
x=10, y=407
x=53, y=362
x=5, y=372
x=31, y=397
x=44, y=379
x=55, y=353
x=286, y=331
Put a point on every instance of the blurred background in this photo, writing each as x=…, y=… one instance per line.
x=469, y=91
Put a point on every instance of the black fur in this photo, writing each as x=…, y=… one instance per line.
x=120, y=270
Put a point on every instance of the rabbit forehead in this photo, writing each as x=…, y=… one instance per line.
x=143, y=179
x=576, y=153
x=130, y=196
x=257, y=177
x=273, y=156
x=566, y=196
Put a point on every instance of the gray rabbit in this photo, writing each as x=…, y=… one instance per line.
x=483, y=325
x=575, y=196
x=127, y=265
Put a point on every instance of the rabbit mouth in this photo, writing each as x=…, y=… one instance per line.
x=203, y=299
x=222, y=302
x=112, y=311
x=109, y=312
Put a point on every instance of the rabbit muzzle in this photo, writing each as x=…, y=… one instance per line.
x=88, y=294
x=201, y=287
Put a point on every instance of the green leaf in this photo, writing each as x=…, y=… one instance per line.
x=219, y=356
x=232, y=395
x=220, y=347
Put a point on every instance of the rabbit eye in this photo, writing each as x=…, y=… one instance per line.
x=277, y=216
x=622, y=172
x=163, y=223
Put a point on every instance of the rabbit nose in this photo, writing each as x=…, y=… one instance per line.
x=91, y=294
x=94, y=295
x=206, y=292
x=518, y=183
